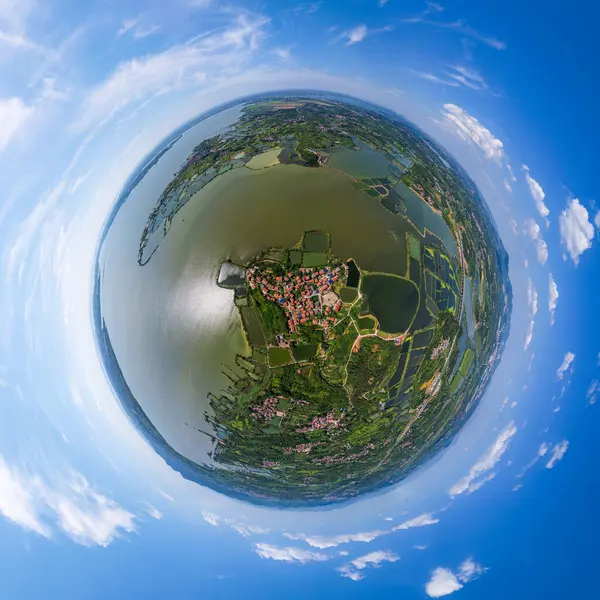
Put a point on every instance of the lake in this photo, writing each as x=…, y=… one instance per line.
x=423, y=217
x=178, y=328
x=392, y=300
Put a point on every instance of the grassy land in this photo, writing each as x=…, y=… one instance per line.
x=466, y=361
x=314, y=259
x=279, y=357
x=348, y=295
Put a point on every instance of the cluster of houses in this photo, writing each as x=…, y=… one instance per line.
x=268, y=409
x=325, y=422
x=306, y=296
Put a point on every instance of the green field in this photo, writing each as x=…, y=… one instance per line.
x=456, y=381
x=315, y=241
x=305, y=351
x=295, y=257
x=367, y=324
x=348, y=295
x=466, y=362
x=414, y=247
x=314, y=259
x=279, y=357
x=252, y=325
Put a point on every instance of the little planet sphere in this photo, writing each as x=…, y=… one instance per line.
x=300, y=299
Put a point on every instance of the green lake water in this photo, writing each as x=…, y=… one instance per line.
x=423, y=217
x=392, y=300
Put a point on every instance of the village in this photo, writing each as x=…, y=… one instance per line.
x=306, y=296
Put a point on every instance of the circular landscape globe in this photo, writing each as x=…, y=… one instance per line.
x=300, y=299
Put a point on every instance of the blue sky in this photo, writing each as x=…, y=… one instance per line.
x=87, y=89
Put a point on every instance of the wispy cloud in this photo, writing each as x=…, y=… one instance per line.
x=137, y=28
x=289, y=554
x=576, y=230
x=322, y=542
x=467, y=77
x=455, y=76
x=359, y=33
x=355, y=35
x=541, y=452
x=353, y=570
x=420, y=521
x=13, y=115
x=537, y=193
x=154, y=512
x=472, y=131
x=532, y=229
x=211, y=518
x=552, y=297
x=284, y=54
x=460, y=26
x=557, y=453
x=486, y=462
x=74, y=507
x=13, y=25
x=444, y=581
x=532, y=303
x=139, y=80
x=307, y=8
x=593, y=391
x=565, y=366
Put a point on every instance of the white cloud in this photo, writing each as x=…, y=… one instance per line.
x=576, y=231
x=477, y=485
x=537, y=193
x=13, y=114
x=428, y=76
x=593, y=391
x=511, y=172
x=92, y=519
x=552, y=297
x=557, y=453
x=322, y=541
x=455, y=76
x=307, y=8
x=532, y=229
x=154, y=512
x=289, y=554
x=542, y=451
x=485, y=463
x=597, y=220
x=420, y=521
x=444, y=582
x=138, y=80
x=532, y=298
x=75, y=508
x=532, y=302
x=529, y=333
x=17, y=502
x=355, y=35
x=137, y=28
x=565, y=365
x=283, y=54
x=246, y=529
x=353, y=570
x=211, y=518
x=472, y=131
x=467, y=77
